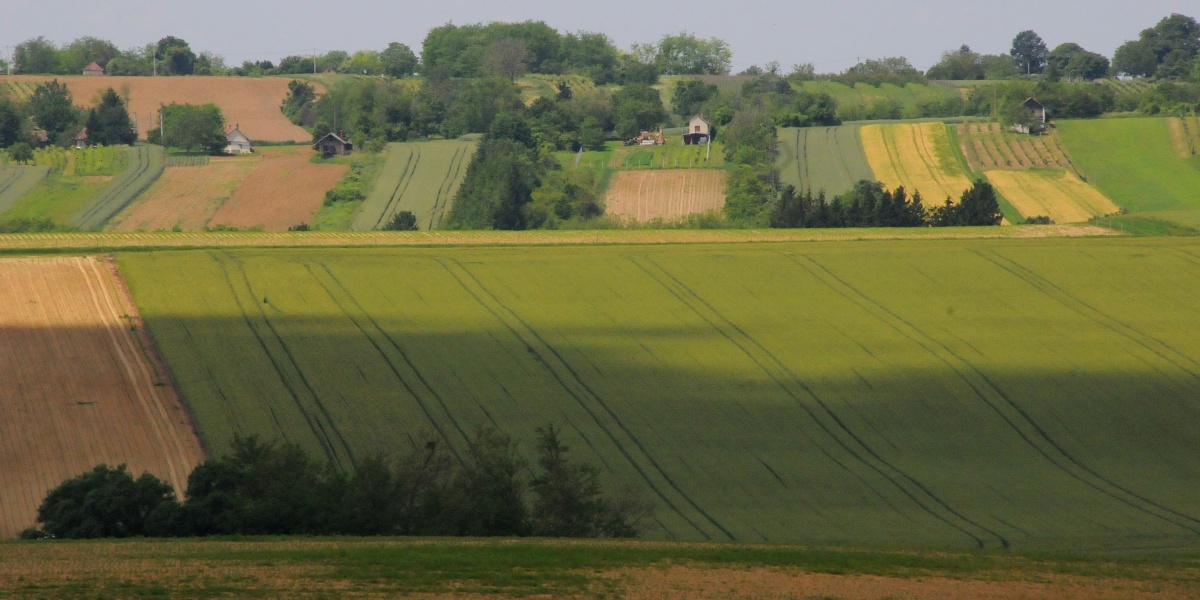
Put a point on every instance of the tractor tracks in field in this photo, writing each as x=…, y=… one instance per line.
x=592, y=403
x=407, y=174
x=392, y=353
x=333, y=443
x=828, y=421
x=1019, y=420
x=442, y=202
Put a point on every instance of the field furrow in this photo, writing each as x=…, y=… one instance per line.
x=82, y=385
x=419, y=177
x=285, y=190
x=185, y=197
x=17, y=181
x=822, y=158
x=665, y=194
x=145, y=165
x=917, y=156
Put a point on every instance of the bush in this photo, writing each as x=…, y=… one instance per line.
x=402, y=221
x=108, y=502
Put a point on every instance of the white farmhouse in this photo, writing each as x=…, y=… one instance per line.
x=238, y=142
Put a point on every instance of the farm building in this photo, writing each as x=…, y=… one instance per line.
x=81, y=140
x=93, y=69
x=699, y=131
x=238, y=143
x=333, y=145
x=1039, y=116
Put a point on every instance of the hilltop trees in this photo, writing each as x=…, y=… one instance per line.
x=959, y=64
x=1071, y=60
x=37, y=55
x=176, y=56
x=398, y=60
x=1167, y=50
x=1029, y=52
x=686, y=54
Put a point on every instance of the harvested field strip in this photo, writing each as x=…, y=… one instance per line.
x=917, y=156
x=18, y=181
x=82, y=385
x=187, y=161
x=664, y=194
x=822, y=158
x=103, y=242
x=783, y=392
x=144, y=167
x=421, y=178
x=250, y=102
x=285, y=190
x=1057, y=194
x=185, y=197
x=1185, y=135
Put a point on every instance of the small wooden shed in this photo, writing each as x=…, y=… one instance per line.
x=81, y=140
x=699, y=131
x=93, y=69
x=238, y=143
x=1039, y=116
x=333, y=145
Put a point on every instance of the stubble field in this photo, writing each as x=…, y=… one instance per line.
x=80, y=385
x=666, y=194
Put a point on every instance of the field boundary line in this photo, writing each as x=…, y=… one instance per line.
x=578, y=389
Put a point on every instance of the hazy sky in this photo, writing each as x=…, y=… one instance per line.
x=831, y=34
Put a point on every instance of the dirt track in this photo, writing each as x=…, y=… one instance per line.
x=81, y=385
x=665, y=194
x=252, y=103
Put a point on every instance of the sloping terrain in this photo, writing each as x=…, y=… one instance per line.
x=918, y=156
x=252, y=103
x=16, y=181
x=185, y=197
x=1022, y=393
x=421, y=178
x=285, y=190
x=81, y=385
x=822, y=158
x=1057, y=194
x=667, y=194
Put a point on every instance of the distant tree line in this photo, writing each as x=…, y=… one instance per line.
x=49, y=116
x=485, y=489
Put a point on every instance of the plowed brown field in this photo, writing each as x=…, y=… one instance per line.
x=251, y=103
x=285, y=190
x=665, y=194
x=81, y=385
x=185, y=197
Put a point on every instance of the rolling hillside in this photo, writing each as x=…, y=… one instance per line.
x=253, y=103
x=918, y=156
x=1023, y=393
x=1135, y=162
x=421, y=178
x=822, y=158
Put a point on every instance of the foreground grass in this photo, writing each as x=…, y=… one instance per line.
x=356, y=566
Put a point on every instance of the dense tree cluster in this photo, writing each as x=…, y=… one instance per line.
x=1168, y=50
x=195, y=128
x=870, y=205
x=50, y=115
x=486, y=488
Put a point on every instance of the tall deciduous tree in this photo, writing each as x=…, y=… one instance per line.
x=107, y=502
x=52, y=109
x=508, y=58
x=108, y=122
x=37, y=55
x=1029, y=51
x=175, y=56
x=686, y=54
x=193, y=127
x=10, y=123
x=637, y=108
x=959, y=64
x=398, y=60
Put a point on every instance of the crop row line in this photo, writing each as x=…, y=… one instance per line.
x=575, y=386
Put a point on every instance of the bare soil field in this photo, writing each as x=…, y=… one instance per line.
x=186, y=197
x=664, y=194
x=81, y=385
x=285, y=190
x=251, y=103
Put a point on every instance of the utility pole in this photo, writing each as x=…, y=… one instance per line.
x=162, y=127
x=314, y=61
x=8, y=52
x=155, y=64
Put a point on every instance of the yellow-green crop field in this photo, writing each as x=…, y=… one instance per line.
x=421, y=178
x=936, y=393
